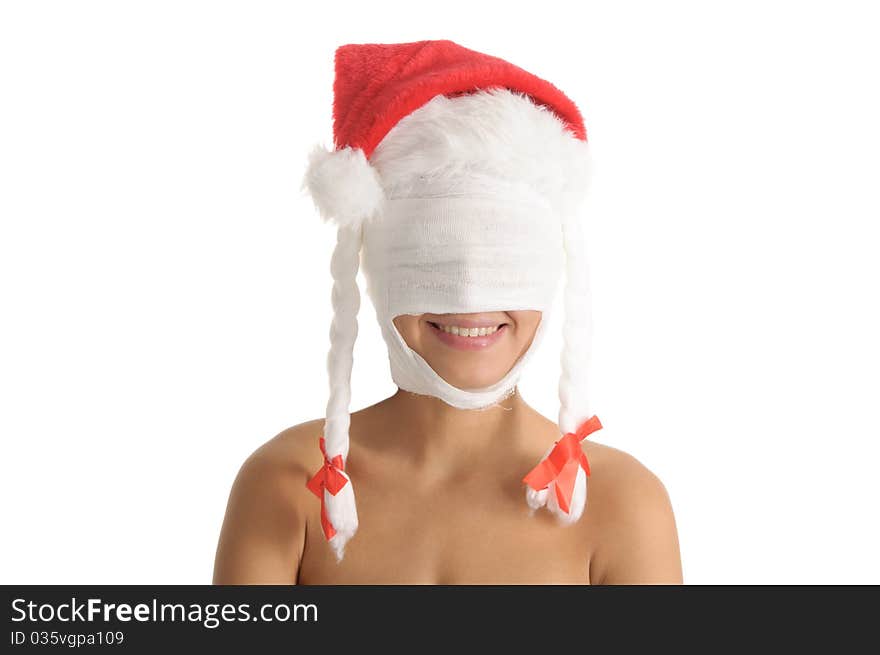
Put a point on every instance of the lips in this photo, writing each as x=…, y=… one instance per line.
x=459, y=342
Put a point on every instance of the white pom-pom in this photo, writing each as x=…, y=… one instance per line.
x=342, y=512
x=344, y=186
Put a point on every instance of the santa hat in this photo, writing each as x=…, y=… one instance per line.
x=455, y=179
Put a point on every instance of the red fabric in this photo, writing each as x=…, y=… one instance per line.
x=328, y=477
x=561, y=464
x=378, y=84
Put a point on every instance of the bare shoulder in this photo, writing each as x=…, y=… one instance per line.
x=263, y=533
x=631, y=511
x=619, y=479
x=293, y=451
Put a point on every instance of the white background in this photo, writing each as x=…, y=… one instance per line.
x=165, y=288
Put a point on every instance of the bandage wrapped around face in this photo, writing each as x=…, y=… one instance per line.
x=468, y=203
x=462, y=236
x=460, y=254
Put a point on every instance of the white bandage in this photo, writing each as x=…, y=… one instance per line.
x=472, y=252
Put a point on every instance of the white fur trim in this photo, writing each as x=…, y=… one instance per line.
x=344, y=186
x=342, y=512
x=471, y=143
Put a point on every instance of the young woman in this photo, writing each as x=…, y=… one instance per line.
x=455, y=181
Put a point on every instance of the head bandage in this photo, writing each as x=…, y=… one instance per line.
x=460, y=254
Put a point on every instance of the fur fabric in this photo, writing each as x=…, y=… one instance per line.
x=345, y=188
x=377, y=84
x=486, y=143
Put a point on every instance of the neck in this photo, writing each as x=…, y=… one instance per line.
x=435, y=430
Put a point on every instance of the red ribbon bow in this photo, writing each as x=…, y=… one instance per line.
x=328, y=477
x=561, y=464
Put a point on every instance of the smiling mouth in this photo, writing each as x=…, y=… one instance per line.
x=466, y=331
x=462, y=337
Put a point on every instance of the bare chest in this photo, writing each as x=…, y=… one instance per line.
x=474, y=531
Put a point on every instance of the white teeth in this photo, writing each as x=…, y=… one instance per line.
x=469, y=332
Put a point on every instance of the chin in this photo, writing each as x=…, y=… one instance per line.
x=472, y=379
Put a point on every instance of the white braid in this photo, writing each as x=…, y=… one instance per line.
x=574, y=393
x=577, y=328
x=341, y=508
x=575, y=399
